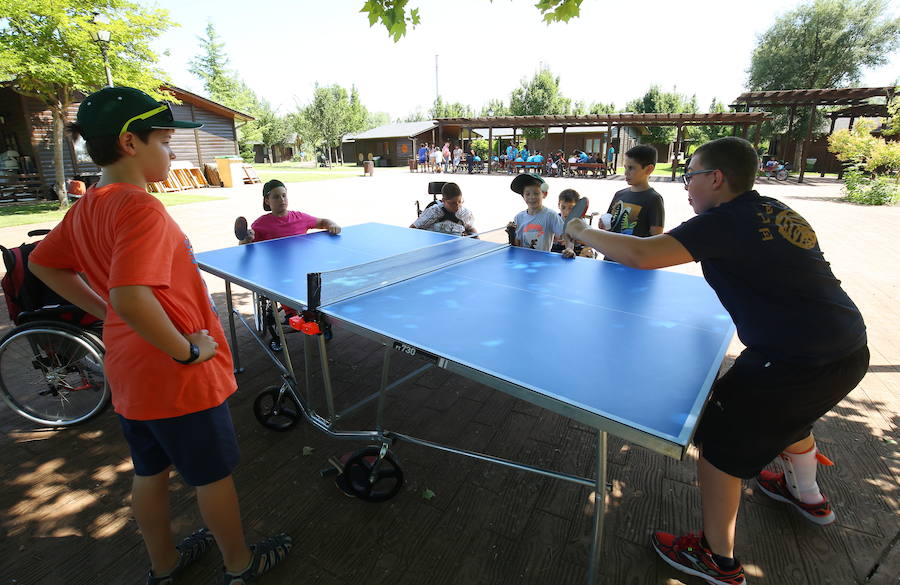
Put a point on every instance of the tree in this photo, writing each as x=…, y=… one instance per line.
x=707, y=133
x=47, y=54
x=824, y=43
x=656, y=101
x=892, y=127
x=450, y=110
x=273, y=129
x=538, y=97
x=392, y=14
x=329, y=116
x=495, y=107
x=601, y=108
x=227, y=88
x=820, y=44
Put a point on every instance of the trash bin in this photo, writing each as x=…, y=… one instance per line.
x=412, y=165
x=811, y=164
x=368, y=167
x=377, y=161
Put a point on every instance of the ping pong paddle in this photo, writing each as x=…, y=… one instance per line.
x=577, y=212
x=240, y=228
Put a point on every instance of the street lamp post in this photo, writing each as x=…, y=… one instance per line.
x=101, y=37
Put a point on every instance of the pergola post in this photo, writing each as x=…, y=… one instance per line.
x=675, y=152
x=812, y=121
x=790, y=129
x=564, y=142
x=830, y=132
x=850, y=127
x=490, y=150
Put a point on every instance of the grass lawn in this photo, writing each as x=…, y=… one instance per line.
x=12, y=214
x=292, y=172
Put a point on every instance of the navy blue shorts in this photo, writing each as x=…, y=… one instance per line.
x=202, y=445
x=760, y=407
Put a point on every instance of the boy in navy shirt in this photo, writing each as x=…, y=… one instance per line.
x=805, y=339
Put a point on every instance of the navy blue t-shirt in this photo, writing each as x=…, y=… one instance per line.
x=763, y=260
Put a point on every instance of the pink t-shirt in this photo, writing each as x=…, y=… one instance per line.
x=295, y=223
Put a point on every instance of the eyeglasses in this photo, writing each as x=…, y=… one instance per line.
x=686, y=178
x=144, y=116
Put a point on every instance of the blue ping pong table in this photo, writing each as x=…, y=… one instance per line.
x=503, y=316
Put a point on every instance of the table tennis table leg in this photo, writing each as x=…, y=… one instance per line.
x=326, y=378
x=229, y=305
x=385, y=368
x=599, y=508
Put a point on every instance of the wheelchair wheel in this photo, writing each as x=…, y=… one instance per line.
x=52, y=373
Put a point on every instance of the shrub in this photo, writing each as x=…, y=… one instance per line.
x=866, y=191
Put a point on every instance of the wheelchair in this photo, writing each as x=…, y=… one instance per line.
x=51, y=362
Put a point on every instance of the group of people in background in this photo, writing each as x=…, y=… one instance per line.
x=451, y=158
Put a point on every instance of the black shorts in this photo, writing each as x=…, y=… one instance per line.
x=760, y=407
x=202, y=445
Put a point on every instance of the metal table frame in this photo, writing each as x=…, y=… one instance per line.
x=327, y=424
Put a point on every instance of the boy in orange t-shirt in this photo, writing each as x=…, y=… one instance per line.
x=167, y=360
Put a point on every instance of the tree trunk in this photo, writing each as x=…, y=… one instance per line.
x=59, y=186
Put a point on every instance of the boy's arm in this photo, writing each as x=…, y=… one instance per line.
x=139, y=308
x=655, y=230
x=327, y=224
x=70, y=286
x=646, y=253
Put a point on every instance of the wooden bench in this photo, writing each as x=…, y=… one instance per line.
x=16, y=187
x=598, y=168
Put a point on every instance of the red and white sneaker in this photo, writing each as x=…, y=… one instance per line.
x=773, y=485
x=687, y=554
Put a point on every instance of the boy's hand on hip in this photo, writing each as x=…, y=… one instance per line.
x=205, y=343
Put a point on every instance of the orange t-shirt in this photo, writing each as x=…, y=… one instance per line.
x=119, y=235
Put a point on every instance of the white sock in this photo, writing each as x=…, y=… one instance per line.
x=800, y=475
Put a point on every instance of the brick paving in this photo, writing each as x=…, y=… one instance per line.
x=64, y=494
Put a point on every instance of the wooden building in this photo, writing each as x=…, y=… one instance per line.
x=395, y=144
x=26, y=127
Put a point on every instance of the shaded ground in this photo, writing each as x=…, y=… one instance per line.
x=64, y=493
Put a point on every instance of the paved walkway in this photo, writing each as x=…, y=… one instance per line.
x=64, y=494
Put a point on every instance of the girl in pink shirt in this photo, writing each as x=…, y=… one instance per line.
x=281, y=222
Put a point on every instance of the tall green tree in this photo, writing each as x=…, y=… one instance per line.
x=495, y=107
x=820, y=44
x=539, y=96
x=396, y=18
x=225, y=86
x=824, y=43
x=707, y=133
x=325, y=119
x=46, y=53
x=450, y=110
x=656, y=101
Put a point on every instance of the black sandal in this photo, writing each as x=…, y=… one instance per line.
x=189, y=550
x=266, y=555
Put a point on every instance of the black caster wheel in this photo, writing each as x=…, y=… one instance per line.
x=369, y=479
x=274, y=413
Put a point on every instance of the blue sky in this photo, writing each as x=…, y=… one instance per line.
x=613, y=53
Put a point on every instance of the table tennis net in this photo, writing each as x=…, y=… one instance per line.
x=326, y=288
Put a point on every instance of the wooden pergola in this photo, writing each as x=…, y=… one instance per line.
x=855, y=97
x=740, y=121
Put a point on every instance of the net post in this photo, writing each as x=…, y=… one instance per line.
x=314, y=290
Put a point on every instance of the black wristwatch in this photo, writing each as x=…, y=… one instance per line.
x=195, y=353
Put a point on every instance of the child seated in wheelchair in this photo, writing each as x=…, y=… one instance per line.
x=280, y=222
x=567, y=200
x=447, y=216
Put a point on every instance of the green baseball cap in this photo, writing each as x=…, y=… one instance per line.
x=521, y=181
x=112, y=111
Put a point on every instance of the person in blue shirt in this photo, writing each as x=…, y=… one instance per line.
x=423, y=157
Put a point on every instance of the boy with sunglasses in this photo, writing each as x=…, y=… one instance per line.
x=805, y=339
x=167, y=360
